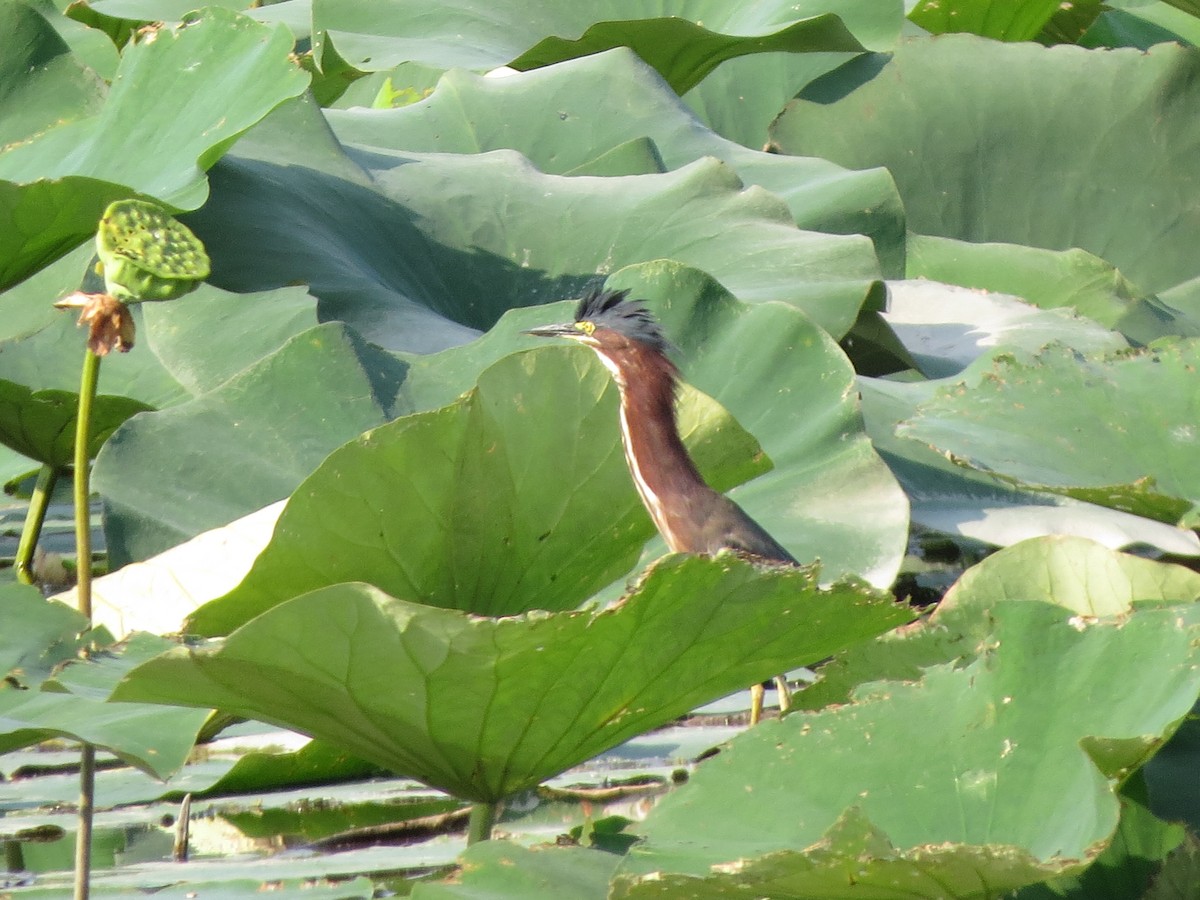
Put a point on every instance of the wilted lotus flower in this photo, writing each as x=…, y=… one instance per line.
x=110, y=324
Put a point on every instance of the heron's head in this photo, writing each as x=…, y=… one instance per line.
x=611, y=324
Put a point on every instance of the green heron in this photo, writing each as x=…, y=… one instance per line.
x=690, y=515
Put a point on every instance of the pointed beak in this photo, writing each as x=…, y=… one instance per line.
x=565, y=329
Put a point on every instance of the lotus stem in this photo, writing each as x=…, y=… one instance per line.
x=35, y=517
x=83, y=838
x=83, y=519
x=83, y=555
x=482, y=821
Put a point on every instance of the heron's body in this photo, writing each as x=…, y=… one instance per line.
x=690, y=515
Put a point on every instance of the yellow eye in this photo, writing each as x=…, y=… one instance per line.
x=586, y=327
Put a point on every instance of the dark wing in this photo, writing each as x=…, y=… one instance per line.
x=741, y=534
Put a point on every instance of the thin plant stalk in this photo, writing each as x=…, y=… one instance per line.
x=35, y=518
x=83, y=837
x=483, y=819
x=83, y=518
x=83, y=556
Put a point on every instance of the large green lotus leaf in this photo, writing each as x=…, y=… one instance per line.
x=562, y=118
x=1142, y=24
x=35, y=635
x=190, y=68
x=682, y=41
x=515, y=497
x=178, y=101
x=743, y=96
x=1071, y=22
x=1076, y=573
x=497, y=870
x=206, y=338
x=944, y=328
x=92, y=48
x=1049, y=425
x=1015, y=784
x=983, y=158
x=41, y=424
x=317, y=762
x=163, y=483
x=42, y=221
x=1014, y=20
x=1129, y=863
x=437, y=244
x=969, y=504
x=40, y=76
x=329, y=229
x=854, y=859
x=76, y=706
x=1050, y=279
x=685, y=52
x=484, y=707
x=29, y=306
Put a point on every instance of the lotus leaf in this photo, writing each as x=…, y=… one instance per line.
x=1017, y=21
x=436, y=245
x=1048, y=425
x=975, y=506
x=74, y=705
x=1050, y=279
x=36, y=635
x=223, y=70
x=39, y=362
x=983, y=158
x=470, y=507
x=565, y=117
x=1077, y=574
x=342, y=386
x=1074, y=573
x=1020, y=753
x=474, y=35
x=485, y=707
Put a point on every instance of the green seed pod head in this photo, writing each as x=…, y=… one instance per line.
x=147, y=255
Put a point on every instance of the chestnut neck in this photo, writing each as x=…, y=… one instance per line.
x=662, y=469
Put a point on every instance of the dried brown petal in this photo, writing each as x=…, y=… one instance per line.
x=110, y=324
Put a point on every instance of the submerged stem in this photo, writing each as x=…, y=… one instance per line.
x=35, y=517
x=483, y=819
x=87, y=805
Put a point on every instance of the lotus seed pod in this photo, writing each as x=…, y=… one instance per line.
x=146, y=254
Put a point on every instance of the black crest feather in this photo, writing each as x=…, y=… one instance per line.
x=613, y=309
